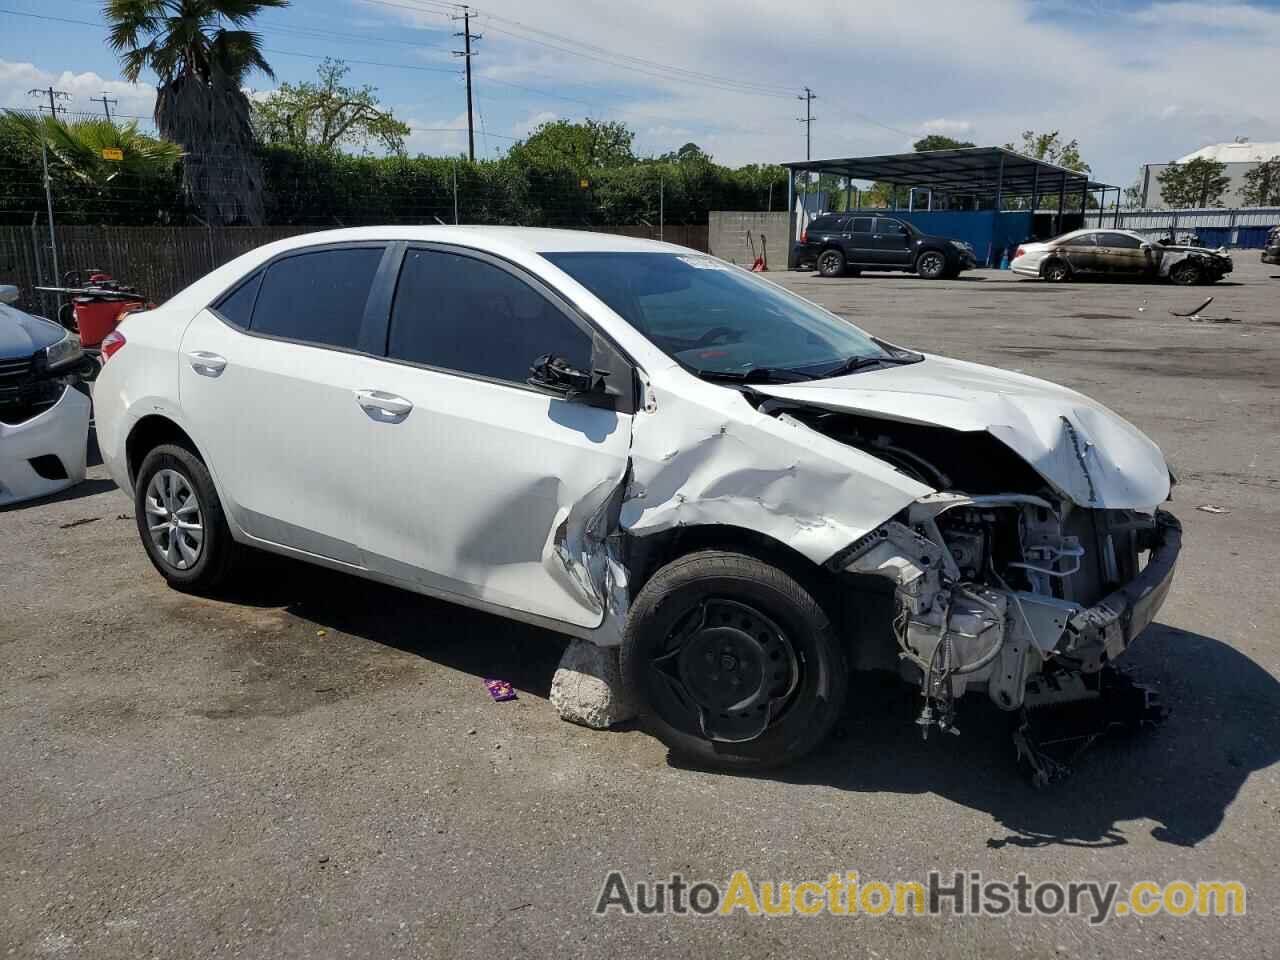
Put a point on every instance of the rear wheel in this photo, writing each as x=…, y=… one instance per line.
x=180, y=519
x=931, y=265
x=1057, y=271
x=1187, y=273
x=732, y=662
x=831, y=263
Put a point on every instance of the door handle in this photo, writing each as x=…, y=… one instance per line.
x=383, y=407
x=207, y=364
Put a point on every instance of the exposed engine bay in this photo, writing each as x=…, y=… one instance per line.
x=1023, y=595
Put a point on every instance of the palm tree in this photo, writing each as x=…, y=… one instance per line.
x=199, y=104
x=79, y=147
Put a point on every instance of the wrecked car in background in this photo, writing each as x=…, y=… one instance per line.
x=1120, y=254
x=1271, y=252
x=44, y=417
x=649, y=449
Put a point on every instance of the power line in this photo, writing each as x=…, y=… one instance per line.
x=106, y=103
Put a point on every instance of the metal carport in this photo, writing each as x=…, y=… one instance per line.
x=971, y=178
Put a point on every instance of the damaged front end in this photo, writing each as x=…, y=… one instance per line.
x=1028, y=596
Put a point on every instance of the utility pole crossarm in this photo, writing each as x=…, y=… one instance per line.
x=106, y=102
x=467, y=36
x=807, y=120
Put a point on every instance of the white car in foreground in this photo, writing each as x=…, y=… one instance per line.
x=640, y=445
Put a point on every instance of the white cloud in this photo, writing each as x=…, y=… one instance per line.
x=946, y=128
x=522, y=128
x=16, y=78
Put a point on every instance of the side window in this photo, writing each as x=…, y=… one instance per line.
x=317, y=297
x=237, y=306
x=826, y=225
x=890, y=228
x=464, y=314
x=1084, y=240
x=1121, y=241
x=861, y=225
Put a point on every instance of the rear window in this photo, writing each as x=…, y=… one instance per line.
x=861, y=225
x=826, y=225
x=317, y=297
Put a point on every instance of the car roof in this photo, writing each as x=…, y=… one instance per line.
x=533, y=239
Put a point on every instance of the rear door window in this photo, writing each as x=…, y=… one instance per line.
x=317, y=297
x=861, y=225
x=1084, y=240
x=1120, y=241
x=891, y=228
x=237, y=306
x=465, y=314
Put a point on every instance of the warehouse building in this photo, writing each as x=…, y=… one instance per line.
x=1240, y=156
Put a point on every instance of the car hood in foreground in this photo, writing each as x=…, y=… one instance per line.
x=22, y=335
x=1088, y=453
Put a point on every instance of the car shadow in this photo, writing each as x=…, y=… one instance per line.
x=1223, y=722
x=85, y=488
x=454, y=636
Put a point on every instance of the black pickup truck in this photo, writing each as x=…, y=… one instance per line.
x=840, y=243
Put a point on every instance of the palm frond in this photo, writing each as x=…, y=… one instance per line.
x=238, y=52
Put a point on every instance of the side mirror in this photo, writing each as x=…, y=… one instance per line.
x=554, y=375
x=1148, y=246
x=8, y=293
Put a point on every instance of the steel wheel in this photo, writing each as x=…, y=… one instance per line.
x=174, y=519
x=730, y=668
x=931, y=265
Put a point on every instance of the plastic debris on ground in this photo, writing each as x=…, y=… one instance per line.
x=500, y=690
x=1212, y=508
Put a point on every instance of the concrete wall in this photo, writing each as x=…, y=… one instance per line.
x=727, y=237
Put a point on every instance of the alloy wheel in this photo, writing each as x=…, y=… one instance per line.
x=932, y=265
x=174, y=519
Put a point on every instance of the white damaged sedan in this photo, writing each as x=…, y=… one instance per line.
x=649, y=449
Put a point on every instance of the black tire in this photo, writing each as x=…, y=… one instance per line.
x=931, y=265
x=1186, y=274
x=1056, y=271
x=756, y=620
x=212, y=560
x=831, y=263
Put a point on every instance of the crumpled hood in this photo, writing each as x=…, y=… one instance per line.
x=1088, y=453
x=22, y=335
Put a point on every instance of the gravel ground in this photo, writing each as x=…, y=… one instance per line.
x=312, y=766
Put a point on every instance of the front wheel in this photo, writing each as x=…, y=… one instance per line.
x=732, y=663
x=1187, y=273
x=831, y=263
x=180, y=519
x=931, y=265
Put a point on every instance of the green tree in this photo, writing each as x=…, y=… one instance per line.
x=199, y=103
x=1197, y=183
x=1262, y=184
x=79, y=147
x=580, y=147
x=689, y=153
x=1051, y=148
x=936, y=141
x=326, y=113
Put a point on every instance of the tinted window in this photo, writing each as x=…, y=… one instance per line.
x=237, y=306
x=464, y=314
x=1084, y=240
x=318, y=297
x=1120, y=240
x=891, y=227
x=861, y=225
x=826, y=225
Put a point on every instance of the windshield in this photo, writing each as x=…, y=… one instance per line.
x=714, y=318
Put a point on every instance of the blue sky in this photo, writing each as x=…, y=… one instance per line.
x=1134, y=81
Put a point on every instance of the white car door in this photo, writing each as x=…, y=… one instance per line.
x=484, y=489
x=271, y=380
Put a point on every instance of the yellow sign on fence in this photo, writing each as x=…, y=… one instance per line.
x=112, y=153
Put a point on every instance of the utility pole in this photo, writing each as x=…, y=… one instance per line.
x=467, y=36
x=807, y=120
x=54, y=97
x=106, y=103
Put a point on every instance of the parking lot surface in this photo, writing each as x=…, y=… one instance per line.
x=311, y=766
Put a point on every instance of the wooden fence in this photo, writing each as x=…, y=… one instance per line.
x=160, y=261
